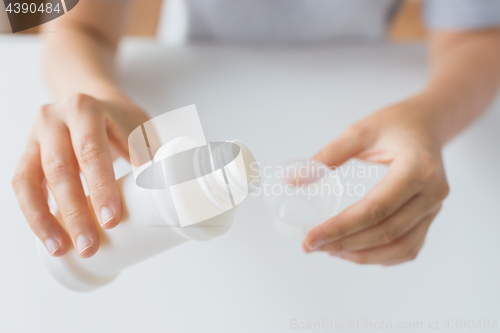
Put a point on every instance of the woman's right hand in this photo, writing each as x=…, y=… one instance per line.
x=70, y=136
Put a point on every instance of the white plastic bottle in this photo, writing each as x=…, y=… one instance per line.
x=148, y=227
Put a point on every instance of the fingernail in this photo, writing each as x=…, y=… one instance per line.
x=316, y=244
x=52, y=245
x=82, y=243
x=106, y=215
x=335, y=254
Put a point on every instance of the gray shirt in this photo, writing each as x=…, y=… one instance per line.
x=324, y=21
x=462, y=14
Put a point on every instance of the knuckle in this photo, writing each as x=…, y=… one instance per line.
x=96, y=186
x=80, y=101
x=436, y=210
x=44, y=113
x=56, y=169
x=339, y=231
x=444, y=191
x=389, y=236
x=350, y=132
x=358, y=130
x=396, y=233
x=35, y=220
x=19, y=179
x=408, y=252
x=88, y=150
x=378, y=212
x=336, y=247
x=74, y=213
x=361, y=260
x=427, y=168
x=413, y=256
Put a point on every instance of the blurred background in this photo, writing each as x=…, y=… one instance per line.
x=407, y=26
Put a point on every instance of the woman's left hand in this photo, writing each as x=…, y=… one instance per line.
x=389, y=225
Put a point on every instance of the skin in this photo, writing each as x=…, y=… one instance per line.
x=90, y=122
x=389, y=225
x=93, y=117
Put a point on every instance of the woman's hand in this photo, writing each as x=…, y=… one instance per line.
x=389, y=225
x=74, y=135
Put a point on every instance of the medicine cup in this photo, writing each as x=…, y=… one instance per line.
x=301, y=194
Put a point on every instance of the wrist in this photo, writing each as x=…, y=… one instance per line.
x=433, y=112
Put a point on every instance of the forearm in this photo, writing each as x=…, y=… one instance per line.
x=75, y=62
x=79, y=52
x=465, y=78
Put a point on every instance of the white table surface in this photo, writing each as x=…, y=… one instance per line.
x=282, y=103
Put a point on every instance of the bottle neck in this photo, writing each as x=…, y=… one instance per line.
x=228, y=180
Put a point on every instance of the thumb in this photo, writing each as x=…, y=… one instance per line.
x=349, y=144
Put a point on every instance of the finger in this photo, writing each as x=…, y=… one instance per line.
x=120, y=129
x=350, y=143
x=397, y=262
x=394, y=227
x=392, y=192
x=87, y=124
x=63, y=178
x=29, y=187
x=404, y=249
x=117, y=141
